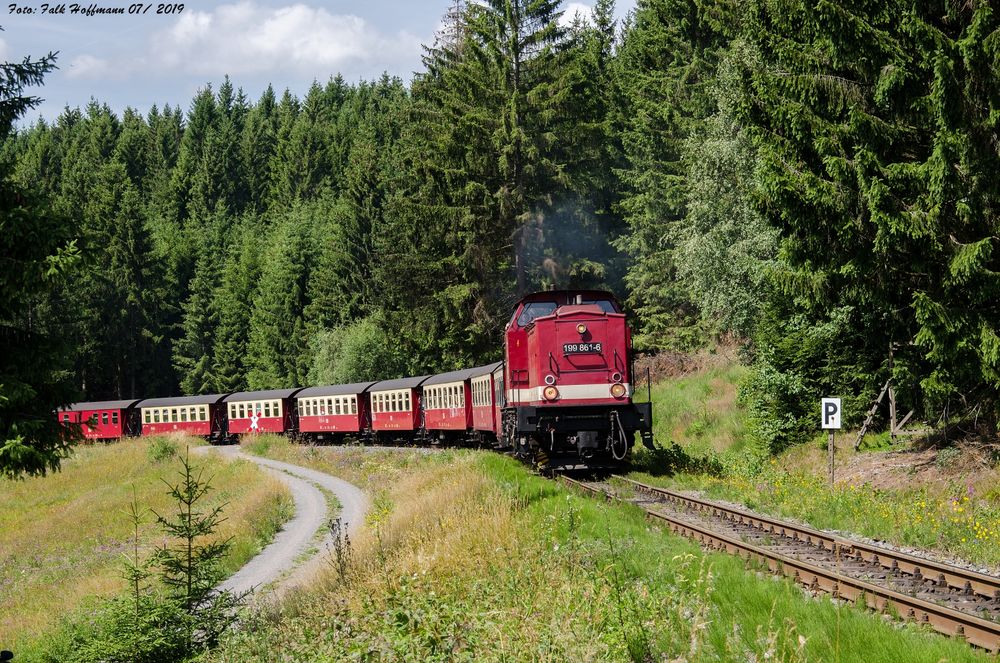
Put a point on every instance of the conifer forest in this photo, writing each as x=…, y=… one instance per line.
x=817, y=180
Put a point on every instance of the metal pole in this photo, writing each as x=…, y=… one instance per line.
x=830, y=446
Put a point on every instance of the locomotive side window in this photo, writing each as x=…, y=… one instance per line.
x=534, y=310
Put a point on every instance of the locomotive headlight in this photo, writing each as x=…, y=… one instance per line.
x=550, y=393
x=550, y=379
x=618, y=390
x=581, y=329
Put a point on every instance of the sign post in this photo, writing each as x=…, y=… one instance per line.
x=830, y=409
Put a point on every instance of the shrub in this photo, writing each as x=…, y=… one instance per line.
x=161, y=448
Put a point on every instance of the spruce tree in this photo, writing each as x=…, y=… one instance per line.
x=39, y=252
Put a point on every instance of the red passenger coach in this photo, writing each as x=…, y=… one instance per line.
x=195, y=415
x=252, y=412
x=103, y=420
x=447, y=403
x=395, y=407
x=482, y=384
x=335, y=411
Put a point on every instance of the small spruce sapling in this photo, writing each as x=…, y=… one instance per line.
x=191, y=569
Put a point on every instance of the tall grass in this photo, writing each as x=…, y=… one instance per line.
x=63, y=536
x=700, y=411
x=468, y=557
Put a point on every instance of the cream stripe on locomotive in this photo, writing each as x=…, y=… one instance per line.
x=246, y=409
x=567, y=392
x=444, y=396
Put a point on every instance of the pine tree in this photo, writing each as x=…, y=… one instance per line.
x=38, y=252
x=193, y=352
x=875, y=125
x=278, y=348
x=665, y=69
x=234, y=301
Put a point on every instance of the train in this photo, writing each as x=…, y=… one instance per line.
x=561, y=397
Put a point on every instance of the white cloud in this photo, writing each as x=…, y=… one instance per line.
x=88, y=66
x=245, y=38
x=571, y=9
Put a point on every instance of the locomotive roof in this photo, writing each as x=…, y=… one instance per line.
x=100, y=405
x=401, y=383
x=205, y=399
x=336, y=389
x=261, y=395
x=568, y=297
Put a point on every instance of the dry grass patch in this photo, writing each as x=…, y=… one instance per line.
x=64, y=535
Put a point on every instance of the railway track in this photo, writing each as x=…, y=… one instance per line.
x=955, y=601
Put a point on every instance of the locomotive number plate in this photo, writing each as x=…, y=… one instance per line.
x=579, y=348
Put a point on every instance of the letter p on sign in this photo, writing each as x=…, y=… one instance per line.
x=831, y=413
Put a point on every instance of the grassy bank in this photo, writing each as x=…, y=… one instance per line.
x=467, y=556
x=928, y=500
x=64, y=535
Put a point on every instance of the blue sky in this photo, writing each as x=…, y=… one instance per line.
x=146, y=59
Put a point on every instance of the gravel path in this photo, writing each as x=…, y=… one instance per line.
x=282, y=560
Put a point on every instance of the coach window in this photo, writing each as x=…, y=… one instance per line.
x=156, y=416
x=184, y=414
x=114, y=417
x=104, y=418
x=309, y=408
x=406, y=400
x=354, y=404
x=241, y=410
x=267, y=409
x=173, y=414
x=204, y=413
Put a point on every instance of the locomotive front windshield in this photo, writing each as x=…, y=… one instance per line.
x=533, y=310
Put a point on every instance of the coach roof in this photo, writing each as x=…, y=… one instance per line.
x=261, y=395
x=453, y=376
x=335, y=390
x=206, y=399
x=100, y=405
x=401, y=383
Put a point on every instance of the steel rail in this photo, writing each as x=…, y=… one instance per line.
x=974, y=630
x=957, y=578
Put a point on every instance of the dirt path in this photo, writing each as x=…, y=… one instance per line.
x=284, y=563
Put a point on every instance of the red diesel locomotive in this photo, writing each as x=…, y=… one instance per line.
x=561, y=398
x=568, y=381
